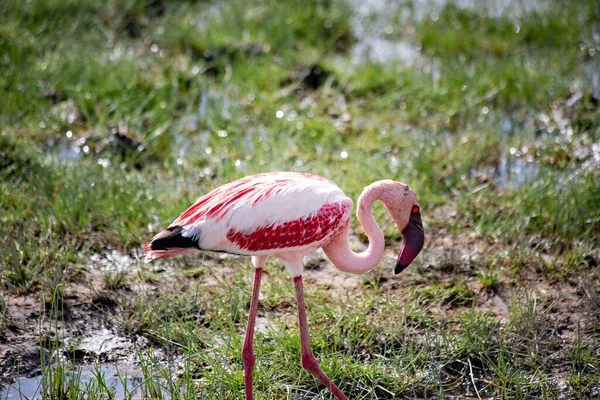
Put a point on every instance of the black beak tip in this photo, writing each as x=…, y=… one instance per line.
x=399, y=267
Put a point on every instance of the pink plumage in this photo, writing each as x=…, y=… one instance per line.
x=264, y=213
x=313, y=228
x=288, y=215
x=252, y=188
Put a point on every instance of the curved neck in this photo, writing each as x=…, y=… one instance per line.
x=338, y=250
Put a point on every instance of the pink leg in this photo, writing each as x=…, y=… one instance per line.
x=309, y=362
x=248, y=356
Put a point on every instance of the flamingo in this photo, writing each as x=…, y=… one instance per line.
x=288, y=215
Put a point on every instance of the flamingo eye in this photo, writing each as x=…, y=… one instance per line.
x=415, y=209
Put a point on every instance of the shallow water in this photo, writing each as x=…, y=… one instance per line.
x=124, y=381
x=512, y=173
x=383, y=28
x=373, y=25
x=493, y=8
x=65, y=149
x=380, y=50
x=113, y=260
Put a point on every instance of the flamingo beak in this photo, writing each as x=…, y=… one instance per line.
x=414, y=237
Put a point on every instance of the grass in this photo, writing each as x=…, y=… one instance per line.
x=116, y=115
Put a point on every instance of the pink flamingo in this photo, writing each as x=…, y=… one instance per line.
x=289, y=215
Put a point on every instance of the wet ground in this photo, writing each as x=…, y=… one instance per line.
x=84, y=334
x=91, y=340
x=124, y=381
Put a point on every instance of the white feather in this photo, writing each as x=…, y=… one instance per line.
x=301, y=198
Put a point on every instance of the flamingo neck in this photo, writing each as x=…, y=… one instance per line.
x=338, y=250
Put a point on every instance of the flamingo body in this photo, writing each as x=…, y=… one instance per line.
x=288, y=215
x=271, y=213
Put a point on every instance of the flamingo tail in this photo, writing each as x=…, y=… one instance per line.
x=170, y=243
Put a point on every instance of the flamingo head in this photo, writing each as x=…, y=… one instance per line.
x=401, y=203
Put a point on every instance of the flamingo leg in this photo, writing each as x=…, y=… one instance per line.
x=248, y=356
x=309, y=362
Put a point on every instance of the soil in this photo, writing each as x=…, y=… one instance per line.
x=85, y=326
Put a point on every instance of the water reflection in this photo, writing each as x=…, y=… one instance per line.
x=381, y=50
x=372, y=24
x=493, y=8
x=123, y=381
x=66, y=151
x=512, y=173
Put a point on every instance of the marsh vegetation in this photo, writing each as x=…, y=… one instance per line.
x=116, y=115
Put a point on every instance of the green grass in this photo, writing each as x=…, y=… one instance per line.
x=504, y=300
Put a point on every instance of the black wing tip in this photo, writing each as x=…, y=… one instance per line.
x=171, y=238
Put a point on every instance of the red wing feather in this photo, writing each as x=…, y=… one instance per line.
x=301, y=232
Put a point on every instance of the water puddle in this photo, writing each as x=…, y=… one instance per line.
x=512, y=173
x=509, y=173
x=103, y=147
x=384, y=28
x=379, y=50
x=66, y=151
x=101, y=344
x=124, y=381
x=113, y=261
x=493, y=8
x=373, y=25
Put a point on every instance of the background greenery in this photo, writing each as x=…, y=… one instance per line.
x=116, y=115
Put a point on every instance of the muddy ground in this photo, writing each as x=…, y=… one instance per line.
x=90, y=326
